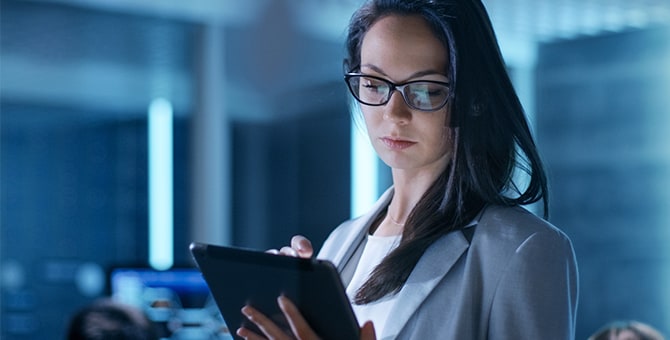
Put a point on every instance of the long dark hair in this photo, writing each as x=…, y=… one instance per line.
x=491, y=137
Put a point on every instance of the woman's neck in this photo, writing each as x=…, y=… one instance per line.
x=408, y=188
x=407, y=191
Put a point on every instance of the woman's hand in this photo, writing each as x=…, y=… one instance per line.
x=300, y=329
x=300, y=247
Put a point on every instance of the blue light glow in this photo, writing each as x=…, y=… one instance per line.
x=160, y=184
x=364, y=172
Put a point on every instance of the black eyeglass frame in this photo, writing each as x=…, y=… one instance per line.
x=395, y=87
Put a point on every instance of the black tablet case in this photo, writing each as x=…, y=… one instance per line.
x=238, y=276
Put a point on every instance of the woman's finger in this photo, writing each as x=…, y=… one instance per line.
x=267, y=326
x=299, y=326
x=302, y=245
x=368, y=331
x=288, y=251
x=249, y=334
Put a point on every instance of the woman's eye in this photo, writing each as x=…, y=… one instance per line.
x=374, y=87
x=430, y=91
x=436, y=92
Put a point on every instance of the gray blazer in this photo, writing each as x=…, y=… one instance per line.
x=509, y=275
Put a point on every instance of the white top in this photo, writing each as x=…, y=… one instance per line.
x=376, y=248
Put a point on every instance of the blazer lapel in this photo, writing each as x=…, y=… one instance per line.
x=353, y=240
x=431, y=268
x=359, y=229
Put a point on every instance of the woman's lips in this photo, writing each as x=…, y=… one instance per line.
x=396, y=144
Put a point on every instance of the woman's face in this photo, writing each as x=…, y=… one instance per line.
x=402, y=49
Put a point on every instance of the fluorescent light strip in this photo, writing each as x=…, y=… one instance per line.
x=161, y=255
x=364, y=172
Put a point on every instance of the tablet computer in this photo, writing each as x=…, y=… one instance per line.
x=238, y=276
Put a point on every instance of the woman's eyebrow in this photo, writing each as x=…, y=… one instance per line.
x=374, y=68
x=414, y=75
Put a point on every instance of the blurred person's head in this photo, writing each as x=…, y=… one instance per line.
x=110, y=320
x=627, y=330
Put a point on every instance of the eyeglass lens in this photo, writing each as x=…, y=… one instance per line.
x=421, y=95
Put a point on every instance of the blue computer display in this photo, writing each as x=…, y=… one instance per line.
x=178, y=301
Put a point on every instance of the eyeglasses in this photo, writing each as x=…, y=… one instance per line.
x=422, y=95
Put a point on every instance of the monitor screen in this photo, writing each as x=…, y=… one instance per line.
x=178, y=301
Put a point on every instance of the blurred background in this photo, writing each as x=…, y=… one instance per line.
x=129, y=129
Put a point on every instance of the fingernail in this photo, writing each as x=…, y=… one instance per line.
x=241, y=332
x=246, y=311
x=281, y=301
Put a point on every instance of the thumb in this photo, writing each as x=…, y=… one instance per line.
x=368, y=331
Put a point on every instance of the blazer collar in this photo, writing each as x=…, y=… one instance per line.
x=428, y=272
x=360, y=227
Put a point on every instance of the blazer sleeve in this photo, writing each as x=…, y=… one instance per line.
x=536, y=297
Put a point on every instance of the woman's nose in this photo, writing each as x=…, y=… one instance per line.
x=396, y=110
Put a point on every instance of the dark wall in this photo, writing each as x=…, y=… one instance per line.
x=73, y=203
x=74, y=197
x=291, y=176
x=603, y=110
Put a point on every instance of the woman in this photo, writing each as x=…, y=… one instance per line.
x=447, y=252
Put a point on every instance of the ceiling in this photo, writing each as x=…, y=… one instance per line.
x=534, y=20
x=542, y=20
x=520, y=25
